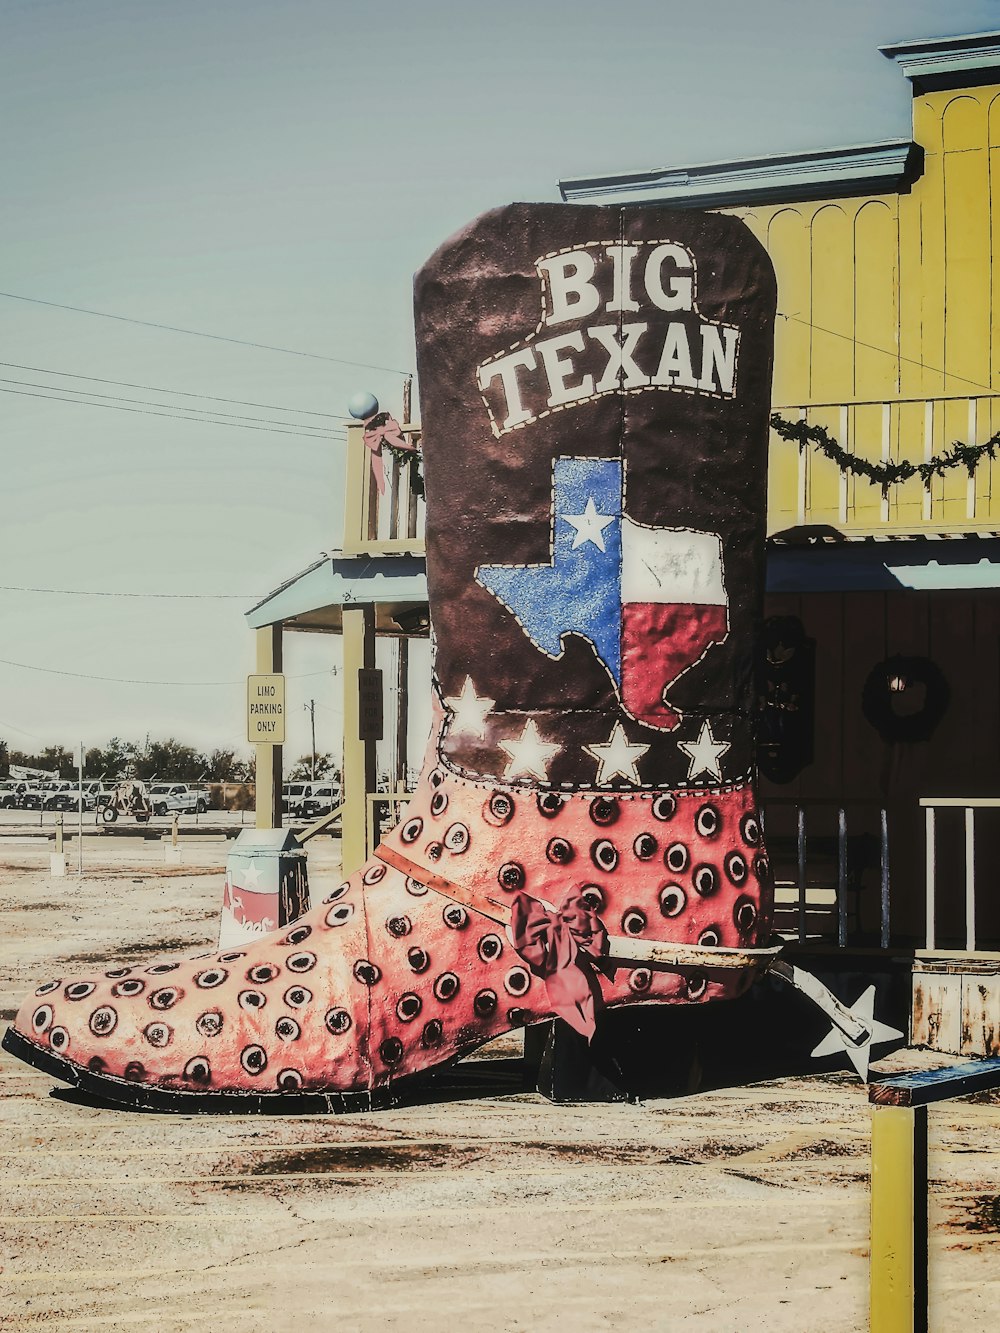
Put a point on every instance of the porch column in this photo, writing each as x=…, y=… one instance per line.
x=268, y=778
x=359, y=755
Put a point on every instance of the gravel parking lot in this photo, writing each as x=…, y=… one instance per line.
x=734, y=1209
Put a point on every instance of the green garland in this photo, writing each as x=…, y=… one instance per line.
x=888, y=473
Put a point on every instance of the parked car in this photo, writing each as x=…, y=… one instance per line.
x=10, y=794
x=95, y=794
x=324, y=798
x=34, y=794
x=292, y=796
x=167, y=798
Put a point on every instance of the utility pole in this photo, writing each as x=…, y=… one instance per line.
x=310, y=708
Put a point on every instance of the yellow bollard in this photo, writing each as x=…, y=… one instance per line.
x=899, y=1220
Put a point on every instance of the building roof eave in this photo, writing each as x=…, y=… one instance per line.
x=875, y=168
x=936, y=63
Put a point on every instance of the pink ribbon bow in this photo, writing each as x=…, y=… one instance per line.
x=383, y=429
x=556, y=946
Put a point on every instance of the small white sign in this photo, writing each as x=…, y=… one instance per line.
x=266, y=710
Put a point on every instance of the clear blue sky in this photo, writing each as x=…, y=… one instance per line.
x=276, y=172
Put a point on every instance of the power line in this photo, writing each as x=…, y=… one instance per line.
x=197, y=333
x=183, y=393
x=207, y=413
x=172, y=416
x=125, y=680
x=102, y=592
x=896, y=356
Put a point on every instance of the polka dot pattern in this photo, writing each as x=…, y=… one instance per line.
x=385, y=977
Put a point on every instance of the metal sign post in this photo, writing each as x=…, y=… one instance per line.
x=79, y=830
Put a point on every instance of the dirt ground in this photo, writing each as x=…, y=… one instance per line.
x=739, y=1209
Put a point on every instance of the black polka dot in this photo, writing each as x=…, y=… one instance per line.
x=446, y=986
x=639, y=980
x=604, y=810
x=432, y=1033
x=499, y=809
x=135, y=1072
x=287, y=1029
x=511, y=876
x=252, y=999
x=675, y=858
x=549, y=804
x=490, y=948
x=297, y=996
x=391, y=1051
x=710, y=938
x=289, y=1080
x=300, y=962
x=96, y=1065
x=112, y=975
x=374, y=874
x=696, y=986
x=559, y=852
x=411, y=830
x=706, y=880
x=50, y=986
x=415, y=887
x=418, y=959
x=298, y=936
x=160, y=1035
x=41, y=1019
x=439, y=802
x=398, y=926
x=672, y=899
x=664, y=806
x=736, y=868
x=367, y=973
x=408, y=1007
x=750, y=829
x=79, y=990
x=645, y=846
x=338, y=1021
x=744, y=915
x=707, y=821
x=456, y=839
x=128, y=989
x=517, y=981
x=103, y=1021
x=485, y=1003
x=604, y=855
x=160, y=969
x=58, y=1039
x=262, y=973
x=339, y=915
x=199, y=1070
x=593, y=896
x=253, y=1059
x=455, y=916
x=435, y=850
x=633, y=921
x=166, y=997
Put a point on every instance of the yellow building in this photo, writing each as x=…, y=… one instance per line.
x=880, y=694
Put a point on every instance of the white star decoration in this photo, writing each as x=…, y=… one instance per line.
x=250, y=877
x=589, y=525
x=704, y=753
x=469, y=710
x=617, y=758
x=859, y=1056
x=529, y=754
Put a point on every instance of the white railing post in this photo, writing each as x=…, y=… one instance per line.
x=970, y=879
x=930, y=878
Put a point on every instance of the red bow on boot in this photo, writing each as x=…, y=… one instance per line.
x=555, y=946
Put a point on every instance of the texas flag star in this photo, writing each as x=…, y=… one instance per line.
x=250, y=876
x=704, y=753
x=589, y=525
x=617, y=758
x=529, y=754
x=469, y=710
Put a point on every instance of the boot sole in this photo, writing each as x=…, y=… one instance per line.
x=141, y=1097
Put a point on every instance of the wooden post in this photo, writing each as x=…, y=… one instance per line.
x=268, y=777
x=355, y=491
x=899, y=1220
x=359, y=755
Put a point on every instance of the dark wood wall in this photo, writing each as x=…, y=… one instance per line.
x=960, y=633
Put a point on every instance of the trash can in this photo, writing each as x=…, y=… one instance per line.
x=267, y=885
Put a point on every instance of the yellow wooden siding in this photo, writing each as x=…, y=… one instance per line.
x=888, y=308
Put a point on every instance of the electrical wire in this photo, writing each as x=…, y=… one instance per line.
x=174, y=416
x=209, y=413
x=182, y=393
x=198, y=333
x=885, y=351
x=102, y=592
x=125, y=680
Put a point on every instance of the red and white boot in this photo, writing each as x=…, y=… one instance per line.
x=594, y=391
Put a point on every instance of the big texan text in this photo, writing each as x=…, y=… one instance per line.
x=627, y=320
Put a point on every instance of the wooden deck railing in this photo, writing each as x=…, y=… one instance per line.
x=375, y=523
x=805, y=488
x=969, y=804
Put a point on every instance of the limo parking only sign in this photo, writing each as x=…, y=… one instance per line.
x=266, y=710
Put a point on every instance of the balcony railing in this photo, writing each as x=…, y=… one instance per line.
x=969, y=806
x=381, y=523
x=806, y=488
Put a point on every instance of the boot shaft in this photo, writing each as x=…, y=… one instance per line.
x=594, y=400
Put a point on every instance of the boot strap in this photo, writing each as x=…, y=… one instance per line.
x=621, y=948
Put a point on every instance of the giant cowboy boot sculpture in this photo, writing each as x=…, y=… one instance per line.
x=594, y=388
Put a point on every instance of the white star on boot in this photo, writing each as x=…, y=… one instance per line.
x=469, y=710
x=617, y=758
x=704, y=753
x=529, y=754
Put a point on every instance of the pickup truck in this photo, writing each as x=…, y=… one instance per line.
x=292, y=796
x=67, y=797
x=324, y=798
x=166, y=798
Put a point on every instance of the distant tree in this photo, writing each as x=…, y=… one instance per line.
x=326, y=769
x=220, y=766
x=169, y=760
x=110, y=761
